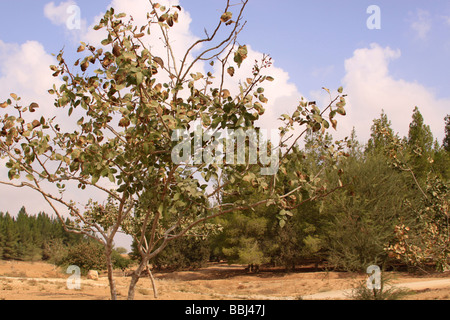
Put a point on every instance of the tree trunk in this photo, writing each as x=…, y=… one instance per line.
x=109, y=265
x=135, y=278
x=155, y=289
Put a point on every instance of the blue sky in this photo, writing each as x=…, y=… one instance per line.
x=314, y=44
x=332, y=30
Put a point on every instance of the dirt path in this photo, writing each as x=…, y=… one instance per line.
x=55, y=280
x=39, y=280
x=417, y=285
x=329, y=295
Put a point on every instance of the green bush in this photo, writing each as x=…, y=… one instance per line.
x=183, y=253
x=386, y=292
x=55, y=251
x=119, y=261
x=363, y=216
x=87, y=255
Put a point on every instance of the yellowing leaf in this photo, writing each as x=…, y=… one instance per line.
x=116, y=50
x=226, y=16
x=33, y=106
x=226, y=93
x=159, y=61
x=334, y=124
x=230, y=71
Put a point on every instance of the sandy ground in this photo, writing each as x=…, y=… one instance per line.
x=42, y=281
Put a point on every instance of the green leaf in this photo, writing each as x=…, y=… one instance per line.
x=341, y=111
x=105, y=42
x=240, y=55
x=139, y=78
x=95, y=179
x=197, y=76
x=317, y=117
x=285, y=213
x=216, y=122
x=206, y=119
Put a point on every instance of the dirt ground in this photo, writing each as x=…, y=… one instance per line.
x=43, y=281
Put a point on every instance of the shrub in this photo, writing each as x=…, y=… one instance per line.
x=87, y=255
x=386, y=292
x=55, y=251
x=182, y=254
x=119, y=261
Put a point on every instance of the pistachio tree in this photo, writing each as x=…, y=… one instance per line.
x=151, y=135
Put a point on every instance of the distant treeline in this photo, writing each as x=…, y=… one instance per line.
x=25, y=237
x=41, y=237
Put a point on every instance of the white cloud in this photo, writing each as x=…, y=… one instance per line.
x=58, y=14
x=282, y=94
x=421, y=23
x=372, y=88
x=67, y=15
x=180, y=39
x=24, y=70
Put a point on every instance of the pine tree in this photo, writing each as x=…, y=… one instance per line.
x=441, y=157
x=2, y=237
x=354, y=146
x=446, y=142
x=420, y=143
x=380, y=129
x=10, y=247
x=361, y=218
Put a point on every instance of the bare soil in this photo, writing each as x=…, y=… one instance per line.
x=43, y=281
